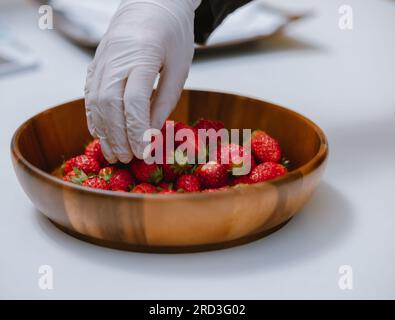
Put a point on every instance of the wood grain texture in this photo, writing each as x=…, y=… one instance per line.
x=170, y=223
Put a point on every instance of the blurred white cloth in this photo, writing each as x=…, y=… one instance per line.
x=87, y=20
x=14, y=55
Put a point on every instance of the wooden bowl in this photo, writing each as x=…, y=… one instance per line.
x=170, y=223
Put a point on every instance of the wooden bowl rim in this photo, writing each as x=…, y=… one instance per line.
x=320, y=157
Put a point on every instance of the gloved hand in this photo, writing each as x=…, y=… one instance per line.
x=145, y=38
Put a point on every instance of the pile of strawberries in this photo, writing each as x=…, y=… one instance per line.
x=92, y=170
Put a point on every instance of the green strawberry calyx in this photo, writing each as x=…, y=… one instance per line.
x=156, y=176
x=79, y=177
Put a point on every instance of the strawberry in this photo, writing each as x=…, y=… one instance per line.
x=167, y=192
x=232, y=155
x=212, y=174
x=121, y=179
x=174, y=166
x=170, y=172
x=266, y=171
x=107, y=172
x=193, y=144
x=146, y=172
x=188, y=183
x=214, y=189
x=241, y=180
x=264, y=147
x=83, y=162
x=164, y=186
x=75, y=176
x=177, y=126
x=93, y=150
x=206, y=125
x=96, y=183
x=144, y=188
x=209, y=124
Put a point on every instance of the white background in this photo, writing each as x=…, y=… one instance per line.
x=343, y=80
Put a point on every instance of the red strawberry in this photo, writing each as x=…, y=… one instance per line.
x=232, y=155
x=75, y=176
x=144, y=188
x=206, y=124
x=93, y=150
x=177, y=126
x=241, y=180
x=83, y=162
x=169, y=172
x=146, y=172
x=212, y=174
x=167, y=192
x=209, y=124
x=214, y=189
x=264, y=147
x=96, y=183
x=164, y=186
x=106, y=172
x=172, y=168
x=188, y=183
x=193, y=144
x=121, y=179
x=168, y=126
x=266, y=171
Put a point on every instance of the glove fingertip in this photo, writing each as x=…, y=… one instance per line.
x=125, y=158
x=107, y=152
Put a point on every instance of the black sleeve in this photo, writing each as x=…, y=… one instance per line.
x=210, y=14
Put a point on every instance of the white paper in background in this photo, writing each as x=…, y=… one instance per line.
x=87, y=20
x=250, y=21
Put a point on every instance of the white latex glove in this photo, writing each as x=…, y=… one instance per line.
x=145, y=38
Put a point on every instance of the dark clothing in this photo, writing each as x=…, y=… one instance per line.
x=210, y=14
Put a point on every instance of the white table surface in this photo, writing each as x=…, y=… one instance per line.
x=343, y=80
